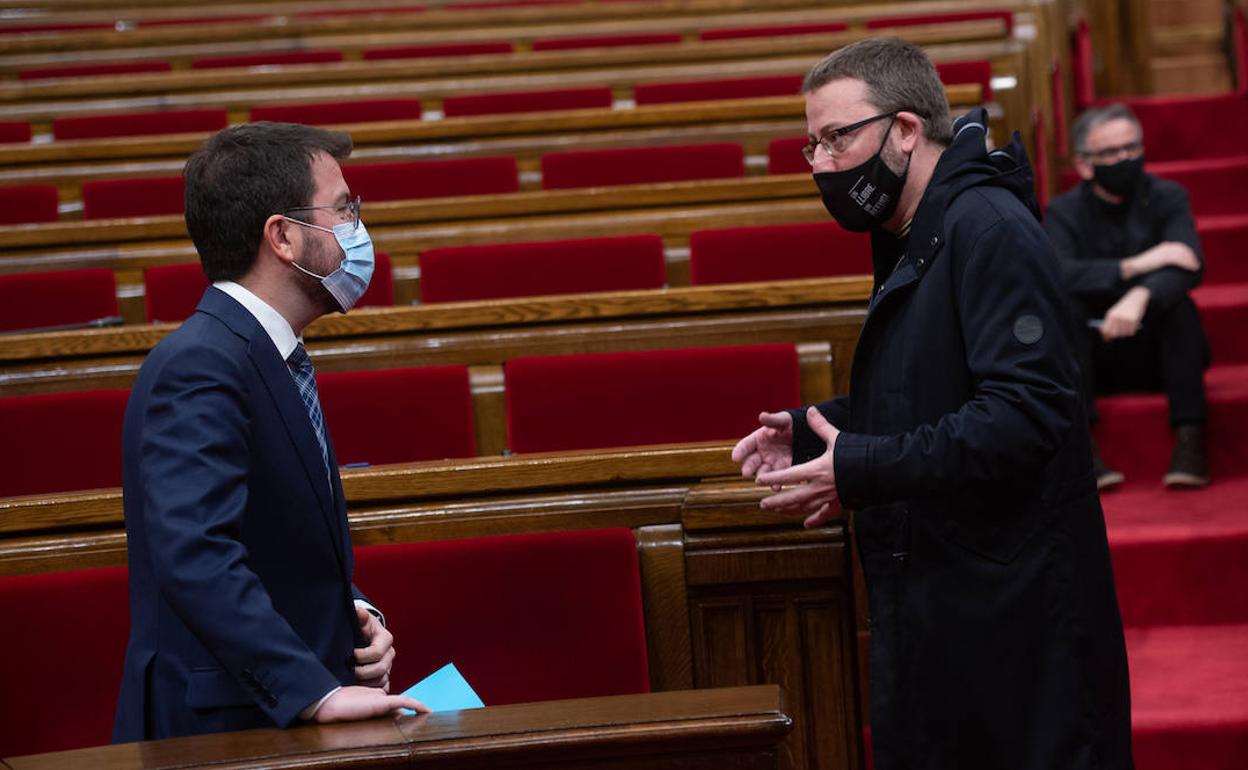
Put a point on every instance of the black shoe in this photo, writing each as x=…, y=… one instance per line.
x=1189, y=465
x=1106, y=477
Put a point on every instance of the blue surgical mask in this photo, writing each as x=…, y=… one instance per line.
x=349, y=282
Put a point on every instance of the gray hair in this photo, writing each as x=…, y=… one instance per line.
x=898, y=75
x=1099, y=116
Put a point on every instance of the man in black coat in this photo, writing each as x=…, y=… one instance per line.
x=1130, y=256
x=996, y=640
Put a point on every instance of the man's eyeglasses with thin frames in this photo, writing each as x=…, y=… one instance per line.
x=345, y=212
x=834, y=142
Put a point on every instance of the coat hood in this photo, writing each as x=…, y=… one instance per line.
x=968, y=163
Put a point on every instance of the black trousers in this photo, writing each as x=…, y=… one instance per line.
x=1169, y=353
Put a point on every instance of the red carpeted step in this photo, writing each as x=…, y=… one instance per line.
x=1224, y=314
x=1189, y=696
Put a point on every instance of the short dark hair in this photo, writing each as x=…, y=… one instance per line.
x=243, y=175
x=1099, y=116
x=899, y=76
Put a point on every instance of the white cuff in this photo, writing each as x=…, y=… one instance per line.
x=310, y=711
x=376, y=612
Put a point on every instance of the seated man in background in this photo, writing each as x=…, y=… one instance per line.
x=1130, y=256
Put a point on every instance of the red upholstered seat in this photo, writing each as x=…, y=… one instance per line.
x=69, y=441
x=960, y=72
x=641, y=165
x=524, y=618
x=409, y=180
x=777, y=252
x=1191, y=127
x=29, y=203
x=14, y=131
x=93, y=70
x=605, y=41
x=527, y=101
x=1218, y=186
x=398, y=415
x=436, y=50
x=775, y=30
x=139, y=124
x=784, y=156
x=137, y=197
x=708, y=90
x=545, y=267
x=590, y=401
x=332, y=113
x=943, y=18
x=82, y=622
x=272, y=58
x=171, y=292
x=37, y=300
x=380, y=291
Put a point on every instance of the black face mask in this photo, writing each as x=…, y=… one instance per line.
x=861, y=198
x=1119, y=178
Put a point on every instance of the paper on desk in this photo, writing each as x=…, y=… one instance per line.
x=444, y=690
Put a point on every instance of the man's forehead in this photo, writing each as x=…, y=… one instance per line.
x=327, y=174
x=837, y=103
x=1113, y=132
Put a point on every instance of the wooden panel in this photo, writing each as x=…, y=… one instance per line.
x=661, y=549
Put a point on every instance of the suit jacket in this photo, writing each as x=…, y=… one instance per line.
x=241, y=602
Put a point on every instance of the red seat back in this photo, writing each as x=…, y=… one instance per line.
x=777, y=252
x=272, y=58
x=784, y=156
x=398, y=415
x=410, y=180
x=29, y=203
x=978, y=72
x=93, y=70
x=775, y=30
x=436, y=50
x=380, y=291
x=604, y=41
x=1191, y=127
x=560, y=403
x=64, y=607
x=36, y=300
x=334, y=113
x=171, y=292
x=137, y=197
x=180, y=21
x=709, y=90
x=138, y=124
x=544, y=267
x=943, y=18
x=1218, y=186
x=14, y=131
x=524, y=618
x=527, y=101
x=69, y=441
x=641, y=165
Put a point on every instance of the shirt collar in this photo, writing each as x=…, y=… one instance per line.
x=277, y=327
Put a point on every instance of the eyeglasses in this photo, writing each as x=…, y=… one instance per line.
x=1111, y=154
x=346, y=212
x=837, y=141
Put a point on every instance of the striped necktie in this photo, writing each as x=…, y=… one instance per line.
x=301, y=368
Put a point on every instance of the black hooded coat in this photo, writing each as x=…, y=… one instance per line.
x=996, y=640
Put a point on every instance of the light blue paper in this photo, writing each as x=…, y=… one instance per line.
x=444, y=690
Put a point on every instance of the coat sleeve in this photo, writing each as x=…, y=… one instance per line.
x=1082, y=275
x=1171, y=284
x=1024, y=400
x=193, y=473
x=806, y=443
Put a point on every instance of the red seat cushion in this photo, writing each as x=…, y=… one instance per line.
x=943, y=18
x=775, y=30
x=784, y=156
x=138, y=124
x=137, y=197
x=331, y=113
x=708, y=90
x=545, y=267
x=380, y=291
x=93, y=70
x=604, y=41
x=29, y=203
x=410, y=180
x=69, y=441
x=14, y=131
x=641, y=165
x=171, y=292
x=398, y=415
x=960, y=72
x=777, y=252
x=436, y=50
x=36, y=300
x=1217, y=186
x=274, y=58
x=527, y=101
x=524, y=618
x=1191, y=127
x=561, y=403
x=82, y=621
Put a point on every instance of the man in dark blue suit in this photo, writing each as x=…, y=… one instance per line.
x=243, y=613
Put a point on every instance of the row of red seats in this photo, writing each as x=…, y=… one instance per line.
x=574, y=627
x=72, y=441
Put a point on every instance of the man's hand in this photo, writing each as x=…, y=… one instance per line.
x=1123, y=319
x=351, y=703
x=815, y=490
x=770, y=448
x=1168, y=254
x=375, y=660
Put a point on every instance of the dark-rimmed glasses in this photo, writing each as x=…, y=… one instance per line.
x=836, y=141
x=345, y=212
x=1110, y=154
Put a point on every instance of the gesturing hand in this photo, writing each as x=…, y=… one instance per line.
x=1124, y=318
x=770, y=448
x=815, y=490
x=375, y=660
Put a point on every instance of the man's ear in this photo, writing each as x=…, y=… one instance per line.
x=278, y=238
x=911, y=126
